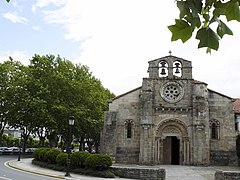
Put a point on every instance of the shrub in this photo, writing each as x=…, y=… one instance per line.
x=99, y=161
x=62, y=159
x=39, y=153
x=89, y=172
x=35, y=154
x=42, y=153
x=78, y=158
x=51, y=156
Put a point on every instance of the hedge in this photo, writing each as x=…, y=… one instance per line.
x=51, y=156
x=99, y=162
x=62, y=159
x=78, y=159
x=39, y=153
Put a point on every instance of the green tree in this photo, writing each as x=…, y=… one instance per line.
x=200, y=16
x=41, y=73
x=67, y=89
x=39, y=99
x=4, y=101
x=24, y=106
x=10, y=72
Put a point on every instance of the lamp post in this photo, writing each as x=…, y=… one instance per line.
x=20, y=145
x=71, y=124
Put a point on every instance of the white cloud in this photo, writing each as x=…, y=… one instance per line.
x=118, y=38
x=21, y=56
x=37, y=28
x=44, y=3
x=15, y=18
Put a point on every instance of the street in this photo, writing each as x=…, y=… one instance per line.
x=7, y=173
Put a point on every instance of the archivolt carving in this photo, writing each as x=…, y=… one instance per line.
x=171, y=130
x=172, y=125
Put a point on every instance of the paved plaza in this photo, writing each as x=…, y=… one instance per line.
x=177, y=172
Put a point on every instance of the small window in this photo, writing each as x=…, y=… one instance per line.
x=214, y=128
x=129, y=128
x=214, y=131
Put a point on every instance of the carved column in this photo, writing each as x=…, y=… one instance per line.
x=158, y=151
x=186, y=150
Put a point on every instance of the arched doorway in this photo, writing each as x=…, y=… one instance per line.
x=172, y=143
x=171, y=150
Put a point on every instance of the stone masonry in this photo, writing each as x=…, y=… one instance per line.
x=170, y=119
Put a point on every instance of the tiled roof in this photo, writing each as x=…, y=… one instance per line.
x=236, y=106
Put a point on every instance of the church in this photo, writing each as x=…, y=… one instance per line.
x=171, y=119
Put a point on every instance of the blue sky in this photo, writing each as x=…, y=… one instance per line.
x=27, y=31
x=114, y=38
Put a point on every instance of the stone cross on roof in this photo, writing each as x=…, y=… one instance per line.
x=170, y=52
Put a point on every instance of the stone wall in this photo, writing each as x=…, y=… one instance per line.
x=221, y=175
x=114, y=140
x=223, y=158
x=143, y=174
x=127, y=155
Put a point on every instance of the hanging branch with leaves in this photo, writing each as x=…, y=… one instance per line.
x=199, y=16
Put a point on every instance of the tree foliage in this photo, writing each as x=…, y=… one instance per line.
x=39, y=98
x=200, y=16
x=11, y=74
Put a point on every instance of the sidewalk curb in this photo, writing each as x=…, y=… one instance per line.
x=38, y=173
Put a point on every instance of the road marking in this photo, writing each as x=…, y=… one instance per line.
x=4, y=178
x=7, y=164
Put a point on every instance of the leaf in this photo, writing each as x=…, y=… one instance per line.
x=208, y=38
x=198, y=5
x=210, y=2
x=220, y=8
x=8, y=1
x=194, y=21
x=223, y=29
x=232, y=11
x=214, y=19
x=194, y=7
x=181, y=30
x=183, y=8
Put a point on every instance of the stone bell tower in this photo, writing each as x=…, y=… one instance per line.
x=170, y=129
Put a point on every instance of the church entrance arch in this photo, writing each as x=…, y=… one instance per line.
x=171, y=150
x=172, y=143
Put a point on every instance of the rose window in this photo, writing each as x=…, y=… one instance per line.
x=172, y=92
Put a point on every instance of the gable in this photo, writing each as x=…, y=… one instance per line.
x=125, y=99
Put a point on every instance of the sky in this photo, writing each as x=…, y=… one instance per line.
x=115, y=39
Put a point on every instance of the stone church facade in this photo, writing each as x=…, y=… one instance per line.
x=170, y=119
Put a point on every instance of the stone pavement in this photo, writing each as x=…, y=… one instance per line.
x=177, y=172
x=173, y=172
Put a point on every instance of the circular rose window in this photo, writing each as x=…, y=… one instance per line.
x=172, y=92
